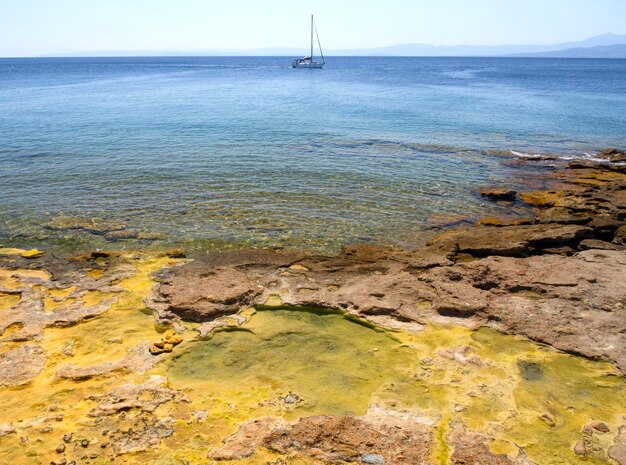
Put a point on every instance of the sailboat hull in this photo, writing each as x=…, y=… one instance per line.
x=314, y=65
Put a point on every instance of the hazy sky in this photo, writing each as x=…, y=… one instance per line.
x=33, y=27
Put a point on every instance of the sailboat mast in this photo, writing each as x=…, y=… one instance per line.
x=311, y=38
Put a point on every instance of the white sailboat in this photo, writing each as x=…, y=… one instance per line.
x=308, y=61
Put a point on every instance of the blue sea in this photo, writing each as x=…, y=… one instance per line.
x=207, y=153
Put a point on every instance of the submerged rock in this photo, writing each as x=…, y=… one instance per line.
x=530, y=371
x=498, y=194
x=121, y=235
x=92, y=225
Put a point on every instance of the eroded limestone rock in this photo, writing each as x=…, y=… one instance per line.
x=145, y=397
x=399, y=437
x=20, y=365
x=138, y=360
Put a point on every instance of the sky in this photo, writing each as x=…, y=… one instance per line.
x=36, y=27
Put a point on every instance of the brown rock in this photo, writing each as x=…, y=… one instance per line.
x=19, y=366
x=246, y=440
x=618, y=450
x=580, y=449
x=347, y=439
x=620, y=235
x=210, y=294
x=547, y=419
x=589, y=244
x=498, y=194
x=600, y=426
x=155, y=350
x=563, y=216
x=470, y=448
x=614, y=155
x=606, y=223
x=513, y=240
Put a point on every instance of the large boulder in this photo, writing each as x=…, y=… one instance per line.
x=614, y=155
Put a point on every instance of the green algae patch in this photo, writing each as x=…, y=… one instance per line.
x=514, y=391
x=330, y=363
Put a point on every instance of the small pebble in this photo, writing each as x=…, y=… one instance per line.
x=60, y=448
x=580, y=449
x=548, y=420
x=84, y=443
x=61, y=461
x=67, y=437
x=600, y=426
x=373, y=459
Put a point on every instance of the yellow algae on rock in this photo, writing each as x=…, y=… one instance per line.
x=61, y=293
x=91, y=298
x=95, y=273
x=273, y=300
x=51, y=304
x=8, y=300
x=12, y=278
x=540, y=198
x=33, y=253
x=298, y=267
x=126, y=318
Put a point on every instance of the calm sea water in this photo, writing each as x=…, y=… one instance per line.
x=222, y=152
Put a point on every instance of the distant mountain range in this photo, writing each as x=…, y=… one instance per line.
x=602, y=46
x=600, y=51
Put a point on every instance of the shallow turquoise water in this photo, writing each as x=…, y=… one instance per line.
x=222, y=152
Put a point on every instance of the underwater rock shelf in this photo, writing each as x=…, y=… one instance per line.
x=502, y=343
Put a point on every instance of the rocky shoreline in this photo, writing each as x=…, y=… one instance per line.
x=91, y=330
x=557, y=278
